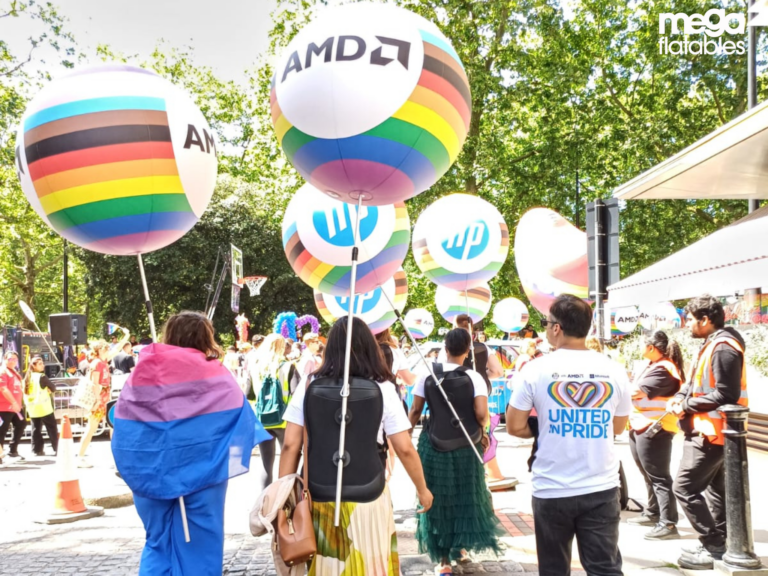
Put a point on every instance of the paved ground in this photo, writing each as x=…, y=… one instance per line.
x=112, y=543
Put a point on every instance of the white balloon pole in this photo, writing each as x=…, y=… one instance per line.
x=347, y=361
x=439, y=383
x=147, y=301
x=151, y=316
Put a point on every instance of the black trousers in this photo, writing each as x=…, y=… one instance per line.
x=701, y=474
x=49, y=422
x=652, y=456
x=267, y=452
x=18, y=429
x=593, y=519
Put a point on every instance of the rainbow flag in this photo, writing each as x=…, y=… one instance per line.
x=182, y=424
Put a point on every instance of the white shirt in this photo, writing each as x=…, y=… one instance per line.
x=398, y=361
x=308, y=363
x=393, y=420
x=576, y=394
x=478, y=384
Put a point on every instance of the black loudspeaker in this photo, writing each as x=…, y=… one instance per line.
x=68, y=329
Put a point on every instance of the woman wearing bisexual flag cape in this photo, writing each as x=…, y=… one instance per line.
x=462, y=519
x=182, y=428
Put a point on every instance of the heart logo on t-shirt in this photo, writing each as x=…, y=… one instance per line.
x=572, y=394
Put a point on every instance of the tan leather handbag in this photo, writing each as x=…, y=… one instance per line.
x=295, y=530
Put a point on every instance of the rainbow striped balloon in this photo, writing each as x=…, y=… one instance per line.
x=510, y=315
x=551, y=258
x=460, y=241
x=116, y=159
x=476, y=302
x=419, y=323
x=371, y=100
x=318, y=238
x=372, y=307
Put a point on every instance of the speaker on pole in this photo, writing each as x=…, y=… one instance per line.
x=68, y=329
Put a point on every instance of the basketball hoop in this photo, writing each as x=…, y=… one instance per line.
x=254, y=283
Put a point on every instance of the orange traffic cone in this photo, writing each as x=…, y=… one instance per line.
x=68, y=503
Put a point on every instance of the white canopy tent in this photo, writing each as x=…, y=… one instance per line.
x=729, y=163
x=730, y=260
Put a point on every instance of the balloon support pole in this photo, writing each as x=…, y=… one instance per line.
x=184, y=523
x=148, y=304
x=432, y=373
x=341, y=454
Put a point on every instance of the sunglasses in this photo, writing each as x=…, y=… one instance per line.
x=545, y=323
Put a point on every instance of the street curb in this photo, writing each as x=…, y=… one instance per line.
x=111, y=501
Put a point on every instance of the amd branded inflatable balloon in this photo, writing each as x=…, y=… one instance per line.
x=624, y=320
x=476, y=302
x=460, y=241
x=663, y=316
x=116, y=159
x=419, y=323
x=510, y=315
x=619, y=322
x=666, y=316
x=551, y=258
x=646, y=317
x=372, y=100
x=318, y=235
x=372, y=307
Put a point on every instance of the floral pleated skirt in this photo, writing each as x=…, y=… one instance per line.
x=364, y=544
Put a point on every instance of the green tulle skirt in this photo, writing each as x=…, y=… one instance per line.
x=462, y=515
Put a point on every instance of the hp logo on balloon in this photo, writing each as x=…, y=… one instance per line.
x=336, y=226
x=364, y=303
x=469, y=242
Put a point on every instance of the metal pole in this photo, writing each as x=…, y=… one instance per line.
x=740, y=545
x=434, y=377
x=147, y=301
x=752, y=79
x=65, y=284
x=55, y=357
x=341, y=455
x=599, y=265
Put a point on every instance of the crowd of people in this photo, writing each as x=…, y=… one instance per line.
x=573, y=401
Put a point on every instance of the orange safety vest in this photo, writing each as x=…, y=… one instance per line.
x=647, y=411
x=710, y=424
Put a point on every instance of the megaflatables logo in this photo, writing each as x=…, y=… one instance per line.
x=704, y=32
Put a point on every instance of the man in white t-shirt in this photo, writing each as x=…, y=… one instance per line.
x=581, y=399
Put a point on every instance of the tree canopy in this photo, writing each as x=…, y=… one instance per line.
x=567, y=104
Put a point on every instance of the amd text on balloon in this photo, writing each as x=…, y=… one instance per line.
x=193, y=139
x=377, y=58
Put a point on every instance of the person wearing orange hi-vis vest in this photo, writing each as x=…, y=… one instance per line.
x=652, y=429
x=718, y=378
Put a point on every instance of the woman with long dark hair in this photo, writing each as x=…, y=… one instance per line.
x=652, y=430
x=462, y=520
x=182, y=428
x=365, y=543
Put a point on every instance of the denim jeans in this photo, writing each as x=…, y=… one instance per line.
x=593, y=519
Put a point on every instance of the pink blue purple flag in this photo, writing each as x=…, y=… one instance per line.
x=182, y=424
